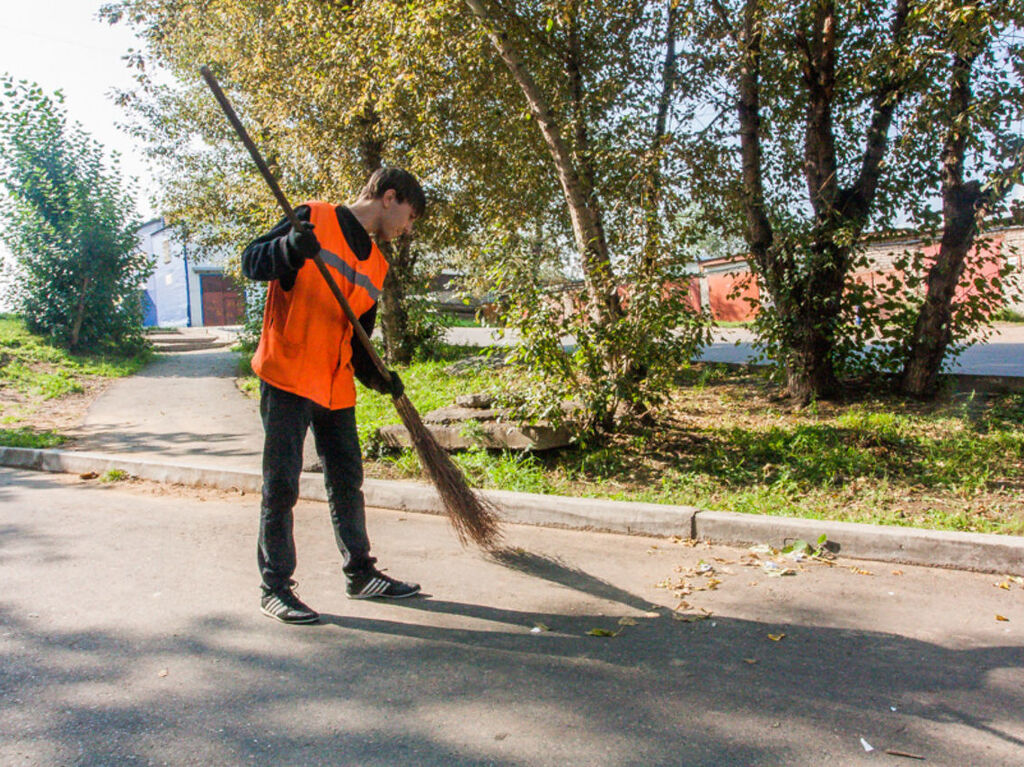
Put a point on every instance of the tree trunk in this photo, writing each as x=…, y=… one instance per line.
x=76, y=323
x=806, y=287
x=653, y=214
x=586, y=224
x=399, y=340
x=962, y=205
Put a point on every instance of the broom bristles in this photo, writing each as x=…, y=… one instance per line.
x=473, y=517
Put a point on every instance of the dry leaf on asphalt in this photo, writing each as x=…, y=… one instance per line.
x=776, y=637
x=600, y=633
x=751, y=661
x=627, y=621
x=1002, y=618
x=692, y=617
x=860, y=571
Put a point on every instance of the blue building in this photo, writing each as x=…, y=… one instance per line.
x=184, y=289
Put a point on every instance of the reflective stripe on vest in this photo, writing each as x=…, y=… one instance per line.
x=350, y=274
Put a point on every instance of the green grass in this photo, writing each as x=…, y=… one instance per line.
x=723, y=442
x=28, y=437
x=34, y=367
x=1008, y=315
x=113, y=475
x=460, y=321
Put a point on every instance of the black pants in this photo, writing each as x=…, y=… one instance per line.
x=286, y=417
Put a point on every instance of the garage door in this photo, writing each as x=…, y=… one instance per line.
x=222, y=301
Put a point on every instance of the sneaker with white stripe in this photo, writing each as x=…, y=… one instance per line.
x=373, y=584
x=282, y=605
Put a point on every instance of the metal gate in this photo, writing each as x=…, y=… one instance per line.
x=222, y=301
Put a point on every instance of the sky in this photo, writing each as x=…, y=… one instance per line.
x=60, y=44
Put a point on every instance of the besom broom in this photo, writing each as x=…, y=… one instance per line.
x=474, y=518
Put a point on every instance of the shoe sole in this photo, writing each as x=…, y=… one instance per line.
x=294, y=621
x=384, y=596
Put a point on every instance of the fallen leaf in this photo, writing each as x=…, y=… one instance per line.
x=860, y=571
x=1002, y=618
x=541, y=627
x=775, y=570
x=713, y=582
x=684, y=605
x=88, y=475
x=751, y=661
x=162, y=673
x=691, y=617
x=897, y=572
x=627, y=621
x=600, y=633
x=776, y=637
x=1003, y=585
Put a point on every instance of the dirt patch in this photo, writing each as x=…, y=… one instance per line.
x=62, y=414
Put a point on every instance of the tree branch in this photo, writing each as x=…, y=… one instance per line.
x=857, y=200
x=759, y=229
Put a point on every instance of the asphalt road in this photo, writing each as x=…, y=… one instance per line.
x=129, y=634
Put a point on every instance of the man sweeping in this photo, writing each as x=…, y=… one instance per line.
x=307, y=361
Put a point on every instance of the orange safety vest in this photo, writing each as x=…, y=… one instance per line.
x=306, y=345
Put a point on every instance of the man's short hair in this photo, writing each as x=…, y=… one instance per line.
x=407, y=188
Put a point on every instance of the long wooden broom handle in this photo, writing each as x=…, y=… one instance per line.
x=289, y=212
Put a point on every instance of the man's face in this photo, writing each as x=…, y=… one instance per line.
x=397, y=218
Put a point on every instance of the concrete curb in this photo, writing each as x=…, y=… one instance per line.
x=907, y=545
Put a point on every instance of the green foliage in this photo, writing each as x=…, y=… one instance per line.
x=876, y=461
x=877, y=324
x=35, y=366
x=330, y=89
x=114, y=475
x=849, y=125
x=28, y=437
x=70, y=225
x=1006, y=314
x=598, y=373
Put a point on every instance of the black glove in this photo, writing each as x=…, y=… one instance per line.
x=395, y=387
x=301, y=244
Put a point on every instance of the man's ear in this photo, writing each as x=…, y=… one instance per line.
x=388, y=198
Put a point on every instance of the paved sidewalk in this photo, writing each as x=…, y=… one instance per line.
x=183, y=405
x=130, y=634
x=181, y=419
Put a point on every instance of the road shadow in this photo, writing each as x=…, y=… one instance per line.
x=380, y=691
